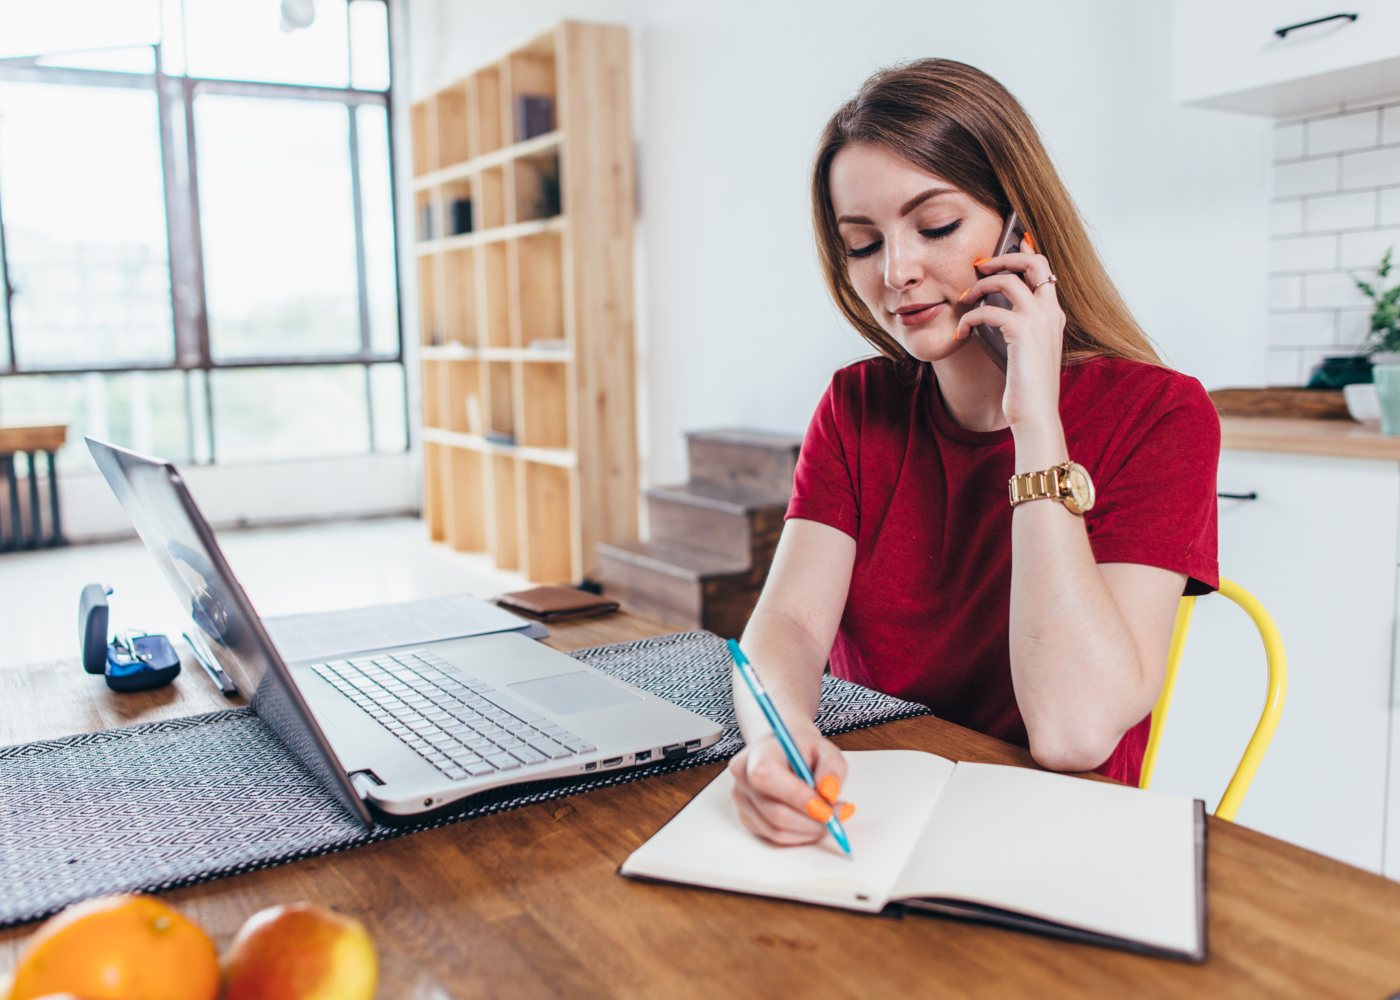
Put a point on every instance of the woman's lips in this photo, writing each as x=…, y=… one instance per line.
x=919, y=316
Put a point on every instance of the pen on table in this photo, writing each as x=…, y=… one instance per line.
x=205, y=658
x=794, y=756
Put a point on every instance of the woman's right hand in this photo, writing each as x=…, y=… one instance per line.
x=778, y=806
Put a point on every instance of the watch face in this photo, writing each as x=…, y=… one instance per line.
x=1081, y=487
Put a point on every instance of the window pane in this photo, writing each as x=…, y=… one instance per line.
x=137, y=59
x=84, y=210
x=243, y=40
x=279, y=228
x=70, y=26
x=145, y=411
x=272, y=413
x=390, y=417
x=376, y=192
x=369, y=45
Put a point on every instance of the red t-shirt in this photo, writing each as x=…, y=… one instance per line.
x=928, y=615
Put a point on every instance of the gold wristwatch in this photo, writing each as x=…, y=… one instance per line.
x=1068, y=482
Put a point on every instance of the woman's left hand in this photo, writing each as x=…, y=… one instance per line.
x=1034, y=329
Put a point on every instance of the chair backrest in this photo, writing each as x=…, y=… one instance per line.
x=1273, y=701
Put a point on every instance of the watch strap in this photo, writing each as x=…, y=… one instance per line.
x=1047, y=484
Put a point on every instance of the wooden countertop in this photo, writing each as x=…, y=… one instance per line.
x=1302, y=436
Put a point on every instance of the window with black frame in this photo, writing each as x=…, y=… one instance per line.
x=197, y=237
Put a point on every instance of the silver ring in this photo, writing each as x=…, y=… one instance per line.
x=1048, y=281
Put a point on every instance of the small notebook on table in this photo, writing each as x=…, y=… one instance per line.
x=1085, y=860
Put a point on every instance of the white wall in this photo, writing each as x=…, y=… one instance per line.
x=735, y=327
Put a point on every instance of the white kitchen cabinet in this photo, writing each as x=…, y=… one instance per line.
x=1319, y=548
x=1227, y=55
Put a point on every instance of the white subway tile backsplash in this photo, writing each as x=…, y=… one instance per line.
x=1372, y=169
x=1283, y=368
x=1363, y=250
x=1390, y=207
x=1332, y=291
x=1333, y=135
x=1286, y=293
x=1288, y=142
x=1352, y=327
x=1336, y=209
x=1303, y=253
x=1390, y=125
x=1286, y=217
x=1327, y=213
x=1306, y=177
x=1302, y=329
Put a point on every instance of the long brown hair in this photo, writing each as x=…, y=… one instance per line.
x=957, y=122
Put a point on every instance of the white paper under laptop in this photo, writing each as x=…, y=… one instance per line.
x=409, y=728
x=327, y=634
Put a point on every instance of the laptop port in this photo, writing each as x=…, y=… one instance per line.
x=673, y=751
x=612, y=762
x=643, y=755
x=592, y=765
x=692, y=744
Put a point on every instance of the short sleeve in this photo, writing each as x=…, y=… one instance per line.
x=823, y=487
x=1158, y=506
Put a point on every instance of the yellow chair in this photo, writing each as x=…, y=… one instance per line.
x=1273, y=702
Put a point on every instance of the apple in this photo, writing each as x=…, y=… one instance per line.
x=300, y=951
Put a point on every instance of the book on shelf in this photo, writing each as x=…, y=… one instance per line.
x=534, y=115
x=1086, y=860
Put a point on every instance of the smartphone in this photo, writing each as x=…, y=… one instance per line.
x=990, y=336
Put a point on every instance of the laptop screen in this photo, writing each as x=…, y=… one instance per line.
x=176, y=534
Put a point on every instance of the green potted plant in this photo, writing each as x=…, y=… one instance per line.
x=1383, y=342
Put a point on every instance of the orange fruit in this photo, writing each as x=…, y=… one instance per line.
x=125, y=947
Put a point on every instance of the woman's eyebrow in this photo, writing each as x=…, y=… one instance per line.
x=904, y=209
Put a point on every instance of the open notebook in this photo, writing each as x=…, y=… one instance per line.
x=1087, y=860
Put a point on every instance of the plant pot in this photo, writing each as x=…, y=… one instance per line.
x=1387, y=378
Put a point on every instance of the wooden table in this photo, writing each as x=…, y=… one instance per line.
x=529, y=903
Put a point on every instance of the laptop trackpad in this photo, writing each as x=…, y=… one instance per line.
x=568, y=694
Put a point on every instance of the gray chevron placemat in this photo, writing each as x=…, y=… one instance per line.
x=164, y=804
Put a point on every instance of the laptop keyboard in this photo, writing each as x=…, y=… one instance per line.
x=459, y=724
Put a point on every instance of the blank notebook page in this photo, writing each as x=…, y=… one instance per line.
x=1088, y=854
x=705, y=844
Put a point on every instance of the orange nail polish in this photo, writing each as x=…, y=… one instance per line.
x=847, y=811
x=1031, y=240
x=980, y=261
x=963, y=296
x=819, y=810
x=830, y=787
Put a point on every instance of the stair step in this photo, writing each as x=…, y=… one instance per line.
x=676, y=561
x=679, y=587
x=738, y=523
x=743, y=459
x=722, y=497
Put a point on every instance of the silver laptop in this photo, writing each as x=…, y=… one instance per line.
x=408, y=730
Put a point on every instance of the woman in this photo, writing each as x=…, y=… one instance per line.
x=1044, y=624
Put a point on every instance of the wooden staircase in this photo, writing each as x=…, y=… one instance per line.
x=712, y=538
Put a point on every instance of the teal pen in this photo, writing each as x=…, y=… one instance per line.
x=770, y=711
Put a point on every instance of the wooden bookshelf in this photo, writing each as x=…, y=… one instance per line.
x=524, y=255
